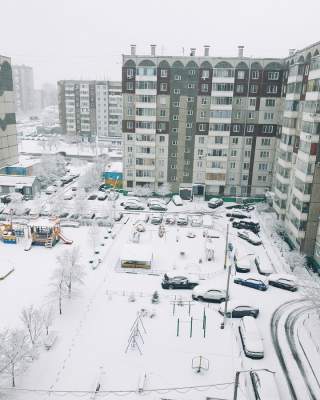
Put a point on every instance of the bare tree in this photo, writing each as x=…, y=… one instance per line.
x=94, y=234
x=48, y=318
x=59, y=288
x=33, y=321
x=15, y=352
x=73, y=269
x=296, y=260
x=144, y=191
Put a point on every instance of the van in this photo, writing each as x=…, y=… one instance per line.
x=250, y=337
x=264, y=384
x=176, y=199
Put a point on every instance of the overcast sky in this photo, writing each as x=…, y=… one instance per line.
x=65, y=39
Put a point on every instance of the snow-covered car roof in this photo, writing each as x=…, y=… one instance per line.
x=288, y=277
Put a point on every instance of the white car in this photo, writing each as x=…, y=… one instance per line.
x=208, y=293
x=153, y=200
x=182, y=219
x=170, y=220
x=177, y=200
x=51, y=189
x=249, y=237
x=102, y=196
x=196, y=221
x=243, y=264
x=68, y=196
x=263, y=266
x=214, y=202
x=131, y=198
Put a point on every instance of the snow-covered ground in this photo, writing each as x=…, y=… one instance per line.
x=94, y=328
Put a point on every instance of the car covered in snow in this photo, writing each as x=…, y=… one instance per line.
x=214, y=202
x=156, y=219
x=68, y=196
x=283, y=281
x=243, y=264
x=178, y=282
x=253, y=281
x=251, y=338
x=250, y=237
x=182, y=219
x=133, y=205
x=169, y=220
x=177, y=201
x=238, y=309
x=208, y=293
x=102, y=196
x=157, y=207
x=263, y=266
x=196, y=220
x=247, y=224
x=117, y=216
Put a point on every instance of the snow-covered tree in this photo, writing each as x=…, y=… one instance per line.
x=143, y=191
x=32, y=320
x=59, y=288
x=296, y=260
x=74, y=273
x=16, y=202
x=15, y=353
x=94, y=234
x=48, y=315
x=164, y=189
x=80, y=202
x=50, y=168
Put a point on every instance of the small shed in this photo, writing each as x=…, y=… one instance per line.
x=136, y=256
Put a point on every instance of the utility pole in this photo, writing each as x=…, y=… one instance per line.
x=226, y=248
x=236, y=385
x=228, y=282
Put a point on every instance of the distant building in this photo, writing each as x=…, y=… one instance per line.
x=90, y=109
x=23, y=88
x=28, y=186
x=8, y=132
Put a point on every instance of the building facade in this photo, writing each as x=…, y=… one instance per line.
x=297, y=172
x=90, y=109
x=23, y=88
x=205, y=122
x=8, y=132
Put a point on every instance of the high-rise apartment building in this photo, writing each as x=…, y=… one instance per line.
x=204, y=122
x=23, y=88
x=8, y=133
x=90, y=108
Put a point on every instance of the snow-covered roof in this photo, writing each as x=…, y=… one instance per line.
x=136, y=252
x=116, y=166
x=14, y=180
x=44, y=222
x=26, y=162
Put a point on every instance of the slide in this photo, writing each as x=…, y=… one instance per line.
x=64, y=239
x=28, y=245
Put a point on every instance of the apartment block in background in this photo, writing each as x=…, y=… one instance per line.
x=23, y=88
x=8, y=133
x=208, y=123
x=90, y=109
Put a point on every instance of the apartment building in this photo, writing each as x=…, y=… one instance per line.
x=8, y=133
x=297, y=172
x=90, y=109
x=23, y=88
x=204, y=122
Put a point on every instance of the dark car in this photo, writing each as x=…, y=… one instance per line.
x=246, y=224
x=157, y=207
x=177, y=282
x=215, y=202
x=5, y=199
x=253, y=282
x=239, y=310
x=63, y=215
x=285, y=282
x=243, y=207
x=74, y=216
x=237, y=214
x=92, y=197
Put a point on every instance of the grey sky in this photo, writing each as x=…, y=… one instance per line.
x=64, y=39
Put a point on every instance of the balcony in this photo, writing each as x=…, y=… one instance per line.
x=303, y=197
x=282, y=179
x=280, y=195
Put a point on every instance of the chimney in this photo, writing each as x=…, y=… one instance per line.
x=291, y=52
x=240, y=51
x=206, y=50
x=153, y=49
x=192, y=51
x=133, y=49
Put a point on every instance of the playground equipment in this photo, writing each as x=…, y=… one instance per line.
x=9, y=232
x=45, y=232
x=200, y=364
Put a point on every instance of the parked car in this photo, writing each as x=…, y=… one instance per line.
x=252, y=281
x=68, y=196
x=250, y=237
x=263, y=266
x=133, y=205
x=113, y=195
x=156, y=219
x=238, y=310
x=63, y=215
x=102, y=196
x=140, y=227
x=92, y=196
x=169, y=220
x=244, y=207
x=196, y=220
x=182, y=219
x=157, y=207
x=208, y=293
x=177, y=201
x=214, y=202
x=251, y=338
x=74, y=216
x=283, y=281
x=118, y=216
x=89, y=215
x=191, y=235
x=51, y=189
x=245, y=224
x=131, y=198
x=243, y=264
x=264, y=384
x=5, y=199
x=178, y=282
x=74, y=188
x=153, y=200
x=238, y=214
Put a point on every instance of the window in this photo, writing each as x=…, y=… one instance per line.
x=262, y=178
x=129, y=73
x=201, y=140
x=189, y=125
x=238, y=101
x=267, y=128
x=237, y=114
x=192, y=72
x=190, y=112
x=173, y=166
x=129, y=137
x=236, y=128
x=130, y=149
x=176, y=104
x=173, y=155
x=218, y=140
x=174, y=142
x=190, y=99
x=244, y=177
x=129, y=85
x=239, y=88
x=130, y=124
x=270, y=102
x=200, y=152
x=264, y=154
x=130, y=99
x=246, y=165
x=233, y=153
x=252, y=102
x=271, y=89
x=174, y=130
x=202, y=114
x=268, y=116
x=162, y=138
x=204, y=87
x=175, y=117
x=191, y=85
x=247, y=153
x=163, y=101
x=130, y=112
x=176, y=91
x=248, y=141
x=251, y=114
x=255, y=75
x=235, y=140
x=163, y=87
x=263, y=166
x=240, y=74
x=253, y=88
x=232, y=165
x=204, y=100
x=201, y=127
x=162, y=113
x=265, y=141
x=250, y=128
x=163, y=73
x=205, y=74
x=188, y=137
x=273, y=76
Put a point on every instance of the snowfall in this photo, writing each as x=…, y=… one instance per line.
x=94, y=346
